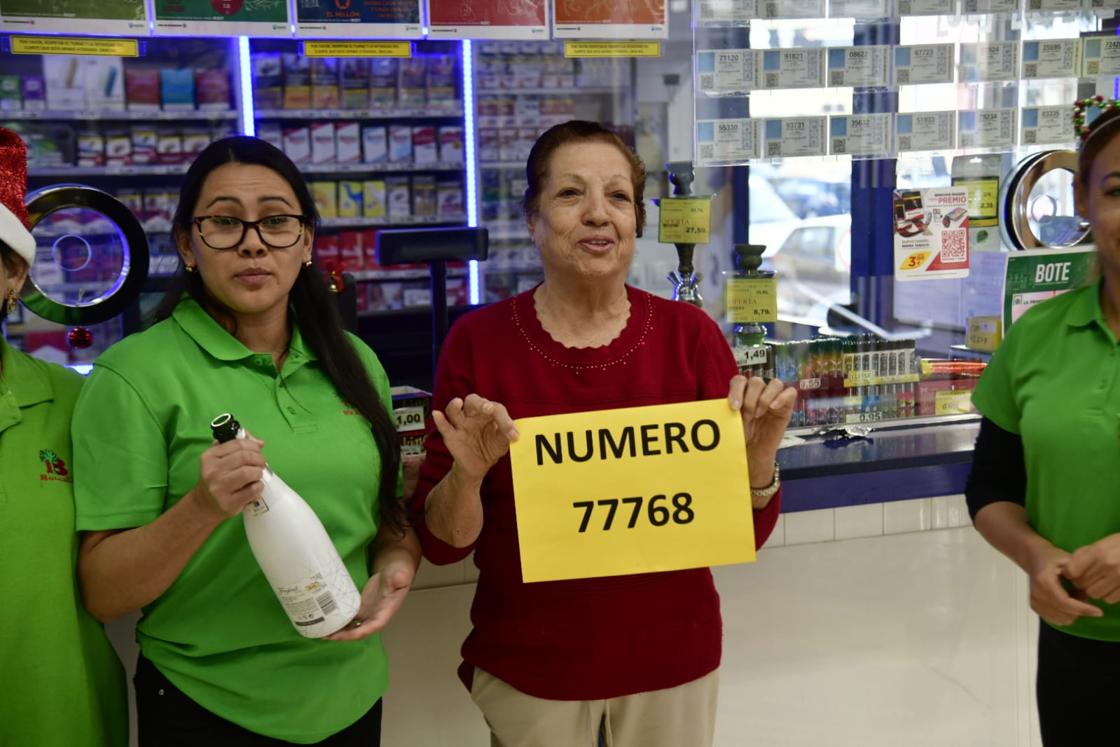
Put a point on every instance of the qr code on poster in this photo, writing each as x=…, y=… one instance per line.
x=954, y=245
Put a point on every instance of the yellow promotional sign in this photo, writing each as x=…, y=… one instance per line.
x=685, y=220
x=953, y=402
x=914, y=260
x=357, y=49
x=575, y=48
x=634, y=490
x=75, y=45
x=752, y=300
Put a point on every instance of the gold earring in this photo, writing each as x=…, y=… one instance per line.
x=188, y=268
x=11, y=302
x=307, y=263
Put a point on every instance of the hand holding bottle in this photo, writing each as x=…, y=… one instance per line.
x=230, y=476
x=382, y=598
x=477, y=432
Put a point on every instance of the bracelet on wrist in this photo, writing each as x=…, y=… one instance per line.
x=770, y=489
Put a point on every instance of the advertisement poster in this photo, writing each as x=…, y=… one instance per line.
x=931, y=233
x=339, y=19
x=221, y=18
x=488, y=19
x=127, y=17
x=1037, y=275
x=611, y=19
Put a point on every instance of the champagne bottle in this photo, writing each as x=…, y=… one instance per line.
x=295, y=552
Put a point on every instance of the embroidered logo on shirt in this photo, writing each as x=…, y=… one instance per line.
x=54, y=468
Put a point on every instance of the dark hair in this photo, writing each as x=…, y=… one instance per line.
x=12, y=263
x=1101, y=133
x=580, y=131
x=309, y=298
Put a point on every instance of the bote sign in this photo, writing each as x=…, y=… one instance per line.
x=635, y=490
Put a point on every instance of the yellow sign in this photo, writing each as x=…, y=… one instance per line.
x=635, y=490
x=685, y=220
x=574, y=48
x=983, y=200
x=752, y=300
x=914, y=260
x=75, y=45
x=984, y=333
x=357, y=49
x=952, y=402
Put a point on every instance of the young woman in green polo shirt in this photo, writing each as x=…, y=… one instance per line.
x=1045, y=483
x=63, y=684
x=254, y=332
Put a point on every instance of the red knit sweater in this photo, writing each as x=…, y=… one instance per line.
x=592, y=638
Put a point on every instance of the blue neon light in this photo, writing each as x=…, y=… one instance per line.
x=248, y=125
x=472, y=166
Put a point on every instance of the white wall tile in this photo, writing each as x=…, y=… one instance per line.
x=859, y=521
x=949, y=511
x=907, y=516
x=433, y=576
x=810, y=526
x=777, y=538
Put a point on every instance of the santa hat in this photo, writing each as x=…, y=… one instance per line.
x=13, y=189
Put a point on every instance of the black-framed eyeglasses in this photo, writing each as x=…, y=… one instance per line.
x=227, y=232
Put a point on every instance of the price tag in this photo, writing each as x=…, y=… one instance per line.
x=923, y=63
x=725, y=71
x=989, y=61
x=409, y=418
x=859, y=66
x=1100, y=56
x=770, y=9
x=860, y=9
x=925, y=7
x=725, y=141
x=727, y=11
x=926, y=131
x=796, y=136
x=752, y=300
x=860, y=135
x=983, y=333
x=575, y=49
x=685, y=220
x=1052, y=58
x=1033, y=5
x=987, y=128
x=72, y=45
x=952, y=402
x=792, y=68
x=1046, y=124
x=635, y=490
x=357, y=49
x=990, y=6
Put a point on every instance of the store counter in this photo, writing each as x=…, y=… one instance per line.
x=895, y=462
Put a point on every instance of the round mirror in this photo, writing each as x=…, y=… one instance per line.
x=91, y=256
x=1036, y=203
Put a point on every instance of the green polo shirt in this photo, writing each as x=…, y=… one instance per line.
x=219, y=633
x=1054, y=382
x=63, y=684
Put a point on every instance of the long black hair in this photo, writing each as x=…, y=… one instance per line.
x=314, y=309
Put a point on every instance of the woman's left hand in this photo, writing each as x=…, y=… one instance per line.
x=766, y=409
x=1095, y=569
x=381, y=599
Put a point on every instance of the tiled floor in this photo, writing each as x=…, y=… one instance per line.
x=890, y=640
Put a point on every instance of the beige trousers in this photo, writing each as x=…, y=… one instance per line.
x=682, y=716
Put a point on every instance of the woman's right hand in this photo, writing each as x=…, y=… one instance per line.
x=230, y=476
x=477, y=432
x=1049, y=597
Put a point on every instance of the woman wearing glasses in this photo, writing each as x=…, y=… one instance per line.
x=251, y=330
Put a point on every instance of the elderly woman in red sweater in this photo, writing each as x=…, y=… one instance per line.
x=628, y=660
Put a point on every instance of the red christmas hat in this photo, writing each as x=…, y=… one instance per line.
x=13, y=189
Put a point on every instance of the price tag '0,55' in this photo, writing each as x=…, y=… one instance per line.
x=635, y=490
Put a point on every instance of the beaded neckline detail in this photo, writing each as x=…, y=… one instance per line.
x=647, y=325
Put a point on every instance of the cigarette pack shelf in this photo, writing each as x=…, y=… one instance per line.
x=521, y=89
x=381, y=142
